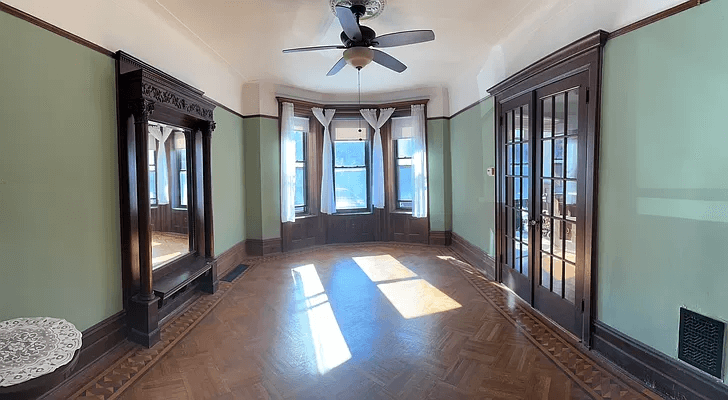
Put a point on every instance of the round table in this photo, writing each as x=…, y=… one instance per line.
x=36, y=354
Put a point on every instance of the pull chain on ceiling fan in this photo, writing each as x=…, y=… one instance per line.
x=357, y=42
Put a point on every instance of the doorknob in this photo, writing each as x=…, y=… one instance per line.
x=534, y=222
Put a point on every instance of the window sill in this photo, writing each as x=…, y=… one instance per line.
x=179, y=209
x=401, y=211
x=306, y=216
x=345, y=213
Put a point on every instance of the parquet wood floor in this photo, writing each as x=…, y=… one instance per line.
x=350, y=322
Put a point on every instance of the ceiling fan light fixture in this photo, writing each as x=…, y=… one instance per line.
x=358, y=57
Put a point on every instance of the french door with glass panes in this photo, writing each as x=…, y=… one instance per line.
x=542, y=144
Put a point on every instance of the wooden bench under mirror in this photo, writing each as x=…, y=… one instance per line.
x=165, y=132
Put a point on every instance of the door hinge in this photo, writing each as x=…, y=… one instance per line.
x=582, y=305
x=587, y=95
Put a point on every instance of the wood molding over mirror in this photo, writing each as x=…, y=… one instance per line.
x=150, y=100
x=388, y=224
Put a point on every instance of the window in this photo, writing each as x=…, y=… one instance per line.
x=182, y=174
x=300, y=200
x=403, y=172
x=403, y=146
x=152, y=160
x=351, y=165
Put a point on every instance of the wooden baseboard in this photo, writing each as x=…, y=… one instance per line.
x=671, y=377
x=440, y=238
x=258, y=247
x=98, y=342
x=231, y=258
x=474, y=255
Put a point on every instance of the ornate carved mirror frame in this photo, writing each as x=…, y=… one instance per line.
x=147, y=94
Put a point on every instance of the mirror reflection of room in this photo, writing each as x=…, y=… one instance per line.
x=168, y=193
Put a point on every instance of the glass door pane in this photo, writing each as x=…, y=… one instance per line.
x=558, y=287
x=516, y=134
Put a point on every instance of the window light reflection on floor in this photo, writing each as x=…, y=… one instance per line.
x=328, y=342
x=164, y=258
x=383, y=268
x=416, y=297
x=412, y=296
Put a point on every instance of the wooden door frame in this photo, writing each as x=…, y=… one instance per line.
x=584, y=55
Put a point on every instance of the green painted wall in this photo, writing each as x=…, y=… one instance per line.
x=473, y=191
x=262, y=177
x=59, y=201
x=228, y=180
x=663, y=195
x=439, y=176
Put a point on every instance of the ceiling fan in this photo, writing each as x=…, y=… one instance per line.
x=357, y=41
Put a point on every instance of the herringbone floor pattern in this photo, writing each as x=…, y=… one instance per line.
x=325, y=324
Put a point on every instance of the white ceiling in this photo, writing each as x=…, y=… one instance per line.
x=249, y=35
x=220, y=45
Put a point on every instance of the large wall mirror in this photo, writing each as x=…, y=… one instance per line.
x=168, y=193
x=165, y=134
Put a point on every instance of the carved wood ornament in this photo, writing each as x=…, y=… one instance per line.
x=147, y=94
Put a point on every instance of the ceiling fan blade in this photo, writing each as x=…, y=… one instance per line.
x=404, y=38
x=314, y=48
x=388, y=61
x=337, y=67
x=349, y=23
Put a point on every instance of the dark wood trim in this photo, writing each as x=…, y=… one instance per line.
x=224, y=107
x=230, y=258
x=98, y=341
x=475, y=104
x=474, y=255
x=571, y=51
x=656, y=17
x=258, y=247
x=260, y=116
x=54, y=29
x=671, y=377
x=305, y=105
x=441, y=238
x=101, y=338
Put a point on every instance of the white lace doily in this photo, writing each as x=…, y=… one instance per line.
x=31, y=347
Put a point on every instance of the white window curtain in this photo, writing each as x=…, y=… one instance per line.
x=161, y=134
x=370, y=115
x=419, y=162
x=328, y=201
x=288, y=165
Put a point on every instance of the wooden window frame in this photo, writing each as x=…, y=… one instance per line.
x=304, y=209
x=367, y=166
x=398, y=202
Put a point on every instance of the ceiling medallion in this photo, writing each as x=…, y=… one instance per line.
x=374, y=7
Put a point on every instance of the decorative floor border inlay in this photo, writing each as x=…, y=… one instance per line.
x=117, y=378
x=585, y=372
x=595, y=380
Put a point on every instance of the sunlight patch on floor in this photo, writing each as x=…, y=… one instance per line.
x=383, y=268
x=328, y=342
x=416, y=297
x=411, y=297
